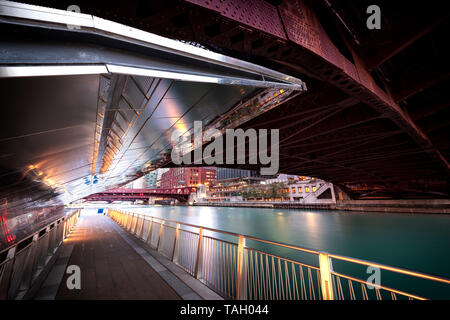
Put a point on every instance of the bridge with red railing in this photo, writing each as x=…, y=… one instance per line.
x=122, y=194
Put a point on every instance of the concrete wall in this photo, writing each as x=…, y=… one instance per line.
x=401, y=206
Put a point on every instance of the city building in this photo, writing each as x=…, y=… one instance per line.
x=311, y=190
x=159, y=176
x=188, y=177
x=283, y=178
x=153, y=179
x=285, y=188
x=136, y=184
x=150, y=179
x=229, y=173
x=227, y=190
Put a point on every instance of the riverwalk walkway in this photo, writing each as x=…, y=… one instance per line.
x=113, y=265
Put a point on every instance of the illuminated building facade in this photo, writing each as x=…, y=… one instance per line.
x=229, y=173
x=188, y=177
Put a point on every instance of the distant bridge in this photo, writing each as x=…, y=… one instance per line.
x=121, y=194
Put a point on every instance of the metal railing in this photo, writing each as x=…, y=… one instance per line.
x=244, y=267
x=23, y=262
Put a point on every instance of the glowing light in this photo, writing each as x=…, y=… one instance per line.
x=49, y=181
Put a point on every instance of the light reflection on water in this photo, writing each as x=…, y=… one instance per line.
x=420, y=242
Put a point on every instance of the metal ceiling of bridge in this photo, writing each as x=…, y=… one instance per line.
x=376, y=111
x=393, y=142
x=94, y=107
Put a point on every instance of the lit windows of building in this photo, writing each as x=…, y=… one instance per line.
x=230, y=173
x=187, y=177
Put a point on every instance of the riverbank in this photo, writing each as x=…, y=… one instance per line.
x=439, y=206
x=271, y=205
x=388, y=206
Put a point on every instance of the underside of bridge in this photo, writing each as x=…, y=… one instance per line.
x=375, y=117
x=93, y=105
x=373, y=120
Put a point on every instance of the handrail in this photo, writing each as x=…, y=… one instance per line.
x=238, y=271
x=34, y=232
x=281, y=244
x=389, y=268
x=380, y=287
x=20, y=270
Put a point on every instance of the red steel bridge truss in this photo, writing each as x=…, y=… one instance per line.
x=122, y=194
x=375, y=118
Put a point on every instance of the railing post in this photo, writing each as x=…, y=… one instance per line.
x=64, y=221
x=325, y=276
x=197, y=259
x=175, y=241
x=66, y=227
x=135, y=228
x=160, y=233
x=130, y=227
x=7, y=273
x=149, y=235
x=141, y=228
x=128, y=221
x=29, y=266
x=240, y=267
x=132, y=223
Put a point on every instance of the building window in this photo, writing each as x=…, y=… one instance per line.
x=307, y=189
x=300, y=189
x=314, y=188
x=293, y=190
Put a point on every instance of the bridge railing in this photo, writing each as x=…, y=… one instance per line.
x=22, y=263
x=244, y=267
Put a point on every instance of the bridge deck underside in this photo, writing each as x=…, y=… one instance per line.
x=374, y=120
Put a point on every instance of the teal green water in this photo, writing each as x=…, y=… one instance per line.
x=420, y=242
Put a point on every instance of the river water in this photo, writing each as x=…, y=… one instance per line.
x=419, y=242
